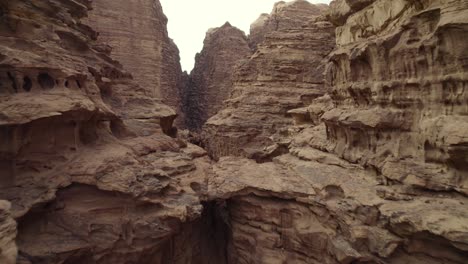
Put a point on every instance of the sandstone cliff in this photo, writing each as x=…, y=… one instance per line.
x=285, y=15
x=211, y=79
x=85, y=162
x=376, y=169
x=137, y=33
x=357, y=144
x=284, y=73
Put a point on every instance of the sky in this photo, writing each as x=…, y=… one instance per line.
x=190, y=19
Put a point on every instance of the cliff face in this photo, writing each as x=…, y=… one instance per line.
x=405, y=117
x=137, y=33
x=211, y=79
x=346, y=150
x=285, y=15
x=285, y=73
x=376, y=168
x=85, y=162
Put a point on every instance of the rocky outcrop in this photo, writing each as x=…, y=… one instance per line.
x=285, y=15
x=137, y=33
x=398, y=86
x=365, y=164
x=375, y=169
x=85, y=159
x=285, y=73
x=211, y=79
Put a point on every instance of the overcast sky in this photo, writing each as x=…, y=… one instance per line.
x=190, y=19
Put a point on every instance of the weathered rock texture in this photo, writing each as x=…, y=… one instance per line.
x=376, y=169
x=211, y=79
x=285, y=15
x=137, y=33
x=365, y=166
x=84, y=159
x=8, y=250
x=285, y=72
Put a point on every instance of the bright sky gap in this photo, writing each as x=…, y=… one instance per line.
x=189, y=20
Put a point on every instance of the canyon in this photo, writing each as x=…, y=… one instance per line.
x=328, y=134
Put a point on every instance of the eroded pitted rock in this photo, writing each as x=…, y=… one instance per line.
x=398, y=84
x=374, y=171
x=83, y=154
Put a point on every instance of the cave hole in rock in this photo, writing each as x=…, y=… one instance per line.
x=45, y=81
x=215, y=230
x=118, y=129
x=88, y=133
x=27, y=84
x=106, y=91
x=67, y=84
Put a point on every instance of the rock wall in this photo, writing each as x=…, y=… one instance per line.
x=398, y=84
x=85, y=159
x=365, y=164
x=211, y=79
x=285, y=15
x=375, y=169
x=137, y=33
x=285, y=73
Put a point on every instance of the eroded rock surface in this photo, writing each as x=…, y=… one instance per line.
x=86, y=160
x=367, y=165
x=285, y=73
x=8, y=249
x=137, y=33
x=285, y=15
x=211, y=79
x=375, y=169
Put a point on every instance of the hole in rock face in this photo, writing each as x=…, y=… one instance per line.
x=45, y=81
x=27, y=84
x=118, y=129
x=67, y=84
x=334, y=192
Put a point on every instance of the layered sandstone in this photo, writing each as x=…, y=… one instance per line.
x=285, y=15
x=365, y=164
x=285, y=73
x=137, y=33
x=86, y=163
x=376, y=168
x=211, y=79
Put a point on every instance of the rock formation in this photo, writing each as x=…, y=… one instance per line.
x=330, y=150
x=376, y=168
x=285, y=73
x=136, y=31
x=85, y=162
x=211, y=79
x=8, y=250
x=285, y=15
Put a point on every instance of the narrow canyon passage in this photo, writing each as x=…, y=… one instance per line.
x=327, y=134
